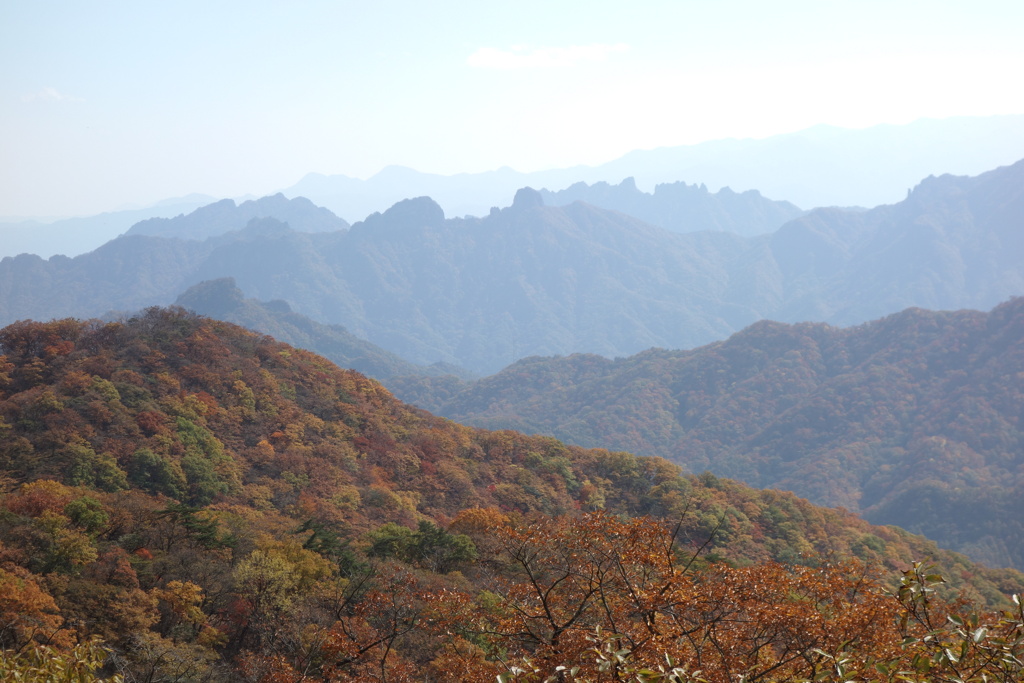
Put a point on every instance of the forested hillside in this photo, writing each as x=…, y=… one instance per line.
x=536, y=280
x=215, y=505
x=913, y=420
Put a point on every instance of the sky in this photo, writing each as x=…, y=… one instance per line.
x=106, y=105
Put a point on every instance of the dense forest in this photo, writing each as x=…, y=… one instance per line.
x=186, y=500
x=912, y=420
x=916, y=458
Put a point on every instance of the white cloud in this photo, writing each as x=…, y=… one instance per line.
x=525, y=57
x=49, y=94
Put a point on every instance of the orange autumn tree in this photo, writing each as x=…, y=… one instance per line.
x=28, y=614
x=598, y=598
x=561, y=581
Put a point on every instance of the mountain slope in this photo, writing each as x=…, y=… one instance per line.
x=914, y=420
x=222, y=300
x=953, y=240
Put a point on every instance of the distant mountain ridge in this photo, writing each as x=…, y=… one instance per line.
x=683, y=208
x=913, y=420
x=536, y=280
x=195, y=217
x=225, y=216
x=821, y=166
x=816, y=167
x=74, y=236
x=827, y=166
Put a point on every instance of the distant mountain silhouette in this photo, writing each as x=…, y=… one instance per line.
x=224, y=216
x=193, y=217
x=820, y=166
x=830, y=166
x=913, y=420
x=531, y=279
x=683, y=208
x=74, y=236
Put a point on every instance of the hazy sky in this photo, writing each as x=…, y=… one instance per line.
x=108, y=103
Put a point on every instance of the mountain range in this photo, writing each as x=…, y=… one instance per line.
x=74, y=236
x=816, y=167
x=530, y=279
x=821, y=166
x=683, y=208
x=225, y=216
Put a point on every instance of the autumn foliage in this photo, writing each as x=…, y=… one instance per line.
x=212, y=505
